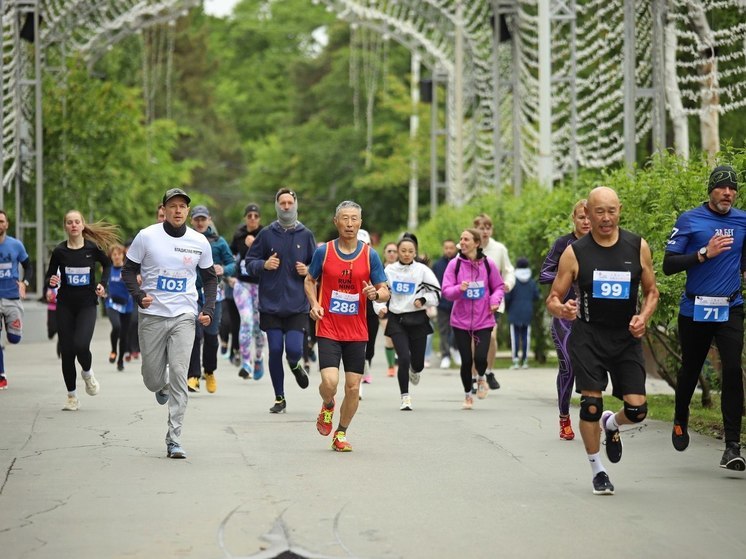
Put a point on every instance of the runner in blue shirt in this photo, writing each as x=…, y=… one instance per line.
x=12, y=290
x=708, y=242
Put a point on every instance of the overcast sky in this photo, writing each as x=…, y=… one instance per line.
x=219, y=7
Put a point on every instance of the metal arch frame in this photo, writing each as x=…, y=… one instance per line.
x=476, y=81
x=22, y=66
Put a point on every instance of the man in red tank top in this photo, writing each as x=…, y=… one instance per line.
x=343, y=273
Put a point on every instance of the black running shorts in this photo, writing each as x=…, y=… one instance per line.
x=597, y=353
x=352, y=355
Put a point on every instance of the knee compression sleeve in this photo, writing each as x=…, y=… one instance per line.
x=635, y=413
x=591, y=408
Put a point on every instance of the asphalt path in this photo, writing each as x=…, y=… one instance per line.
x=436, y=482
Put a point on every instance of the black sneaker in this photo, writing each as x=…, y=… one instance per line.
x=679, y=436
x=602, y=484
x=732, y=459
x=613, y=439
x=279, y=406
x=301, y=374
x=243, y=373
x=492, y=381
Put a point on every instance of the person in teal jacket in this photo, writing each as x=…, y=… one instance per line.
x=207, y=337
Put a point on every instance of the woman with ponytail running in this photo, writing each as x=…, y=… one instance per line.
x=72, y=268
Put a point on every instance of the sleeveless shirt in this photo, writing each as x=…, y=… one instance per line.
x=608, y=279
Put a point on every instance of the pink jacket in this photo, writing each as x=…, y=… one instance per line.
x=471, y=308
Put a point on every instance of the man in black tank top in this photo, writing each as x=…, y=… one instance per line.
x=607, y=268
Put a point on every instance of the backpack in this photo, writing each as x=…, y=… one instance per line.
x=486, y=265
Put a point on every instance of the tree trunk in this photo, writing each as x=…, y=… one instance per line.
x=709, y=116
x=673, y=93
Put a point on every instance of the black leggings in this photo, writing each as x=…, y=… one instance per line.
x=373, y=324
x=481, y=341
x=75, y=331
x=411, y=352
x=120, y=326
x=696, y=338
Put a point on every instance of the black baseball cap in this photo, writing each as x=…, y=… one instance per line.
x=173, y=192
x=251, y=208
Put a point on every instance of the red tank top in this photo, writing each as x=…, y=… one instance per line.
x=342, y=298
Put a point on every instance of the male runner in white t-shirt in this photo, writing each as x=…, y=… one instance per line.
x=168, y=256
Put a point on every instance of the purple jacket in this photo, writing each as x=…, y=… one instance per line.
x=471, y=308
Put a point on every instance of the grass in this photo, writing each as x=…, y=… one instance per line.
x=705, y=421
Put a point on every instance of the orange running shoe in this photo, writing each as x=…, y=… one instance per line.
x=566, y=431
x=391, y=372
x=324, y=420
x=339, y=442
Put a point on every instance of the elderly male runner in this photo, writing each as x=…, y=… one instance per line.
x=709, y=243
x=168, y=256
x=608, y=266
x=343, y=273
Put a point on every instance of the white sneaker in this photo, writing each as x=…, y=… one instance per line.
x=445, y=363
x=91, y=385
x=406, y=403
x=414, y=378
x=456, y=356
x=516, y=364
x=72, y=404
x=525, y=364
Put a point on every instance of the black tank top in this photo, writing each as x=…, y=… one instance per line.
x=608, y=279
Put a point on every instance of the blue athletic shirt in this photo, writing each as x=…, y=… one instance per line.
x=11, y=253
x=719, y=276
x=377, y=275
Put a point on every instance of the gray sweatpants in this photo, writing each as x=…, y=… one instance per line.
x=166, y=341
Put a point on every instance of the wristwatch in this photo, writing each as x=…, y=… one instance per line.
x=703, y=252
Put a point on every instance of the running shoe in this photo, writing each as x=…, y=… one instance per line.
x=279, y=405
x=211, y=383
x=223, y=350
x=128, y=357
x=3, y=383
x=161, y=396
x=174, y=450
x=613, y=439
x=492, y=381
x=468, y=403
x=366, y=373
x=112, y=357
x=482, y=389
x=312, y=355
x=406, y=403
x=566, y=432
x=72, y=404
x=135, y=355
x=732, y=459
x=339, y=442
x=414, y=378
x=91, y=385
x=258, y=368
x=680, y=435
x=602, y=484
x=193, y=384
x=390, y=372
x=120, y=367
x=515, y=364
x=525, y=364
x=243, y=373
x=324, y=420
x=445, y=363
x=236, y=360
x=301, y=375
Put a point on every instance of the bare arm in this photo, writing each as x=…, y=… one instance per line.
x=310, y=287
x=650, y=293
x=567, y=273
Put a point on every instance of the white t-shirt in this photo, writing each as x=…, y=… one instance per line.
x=168, y=266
